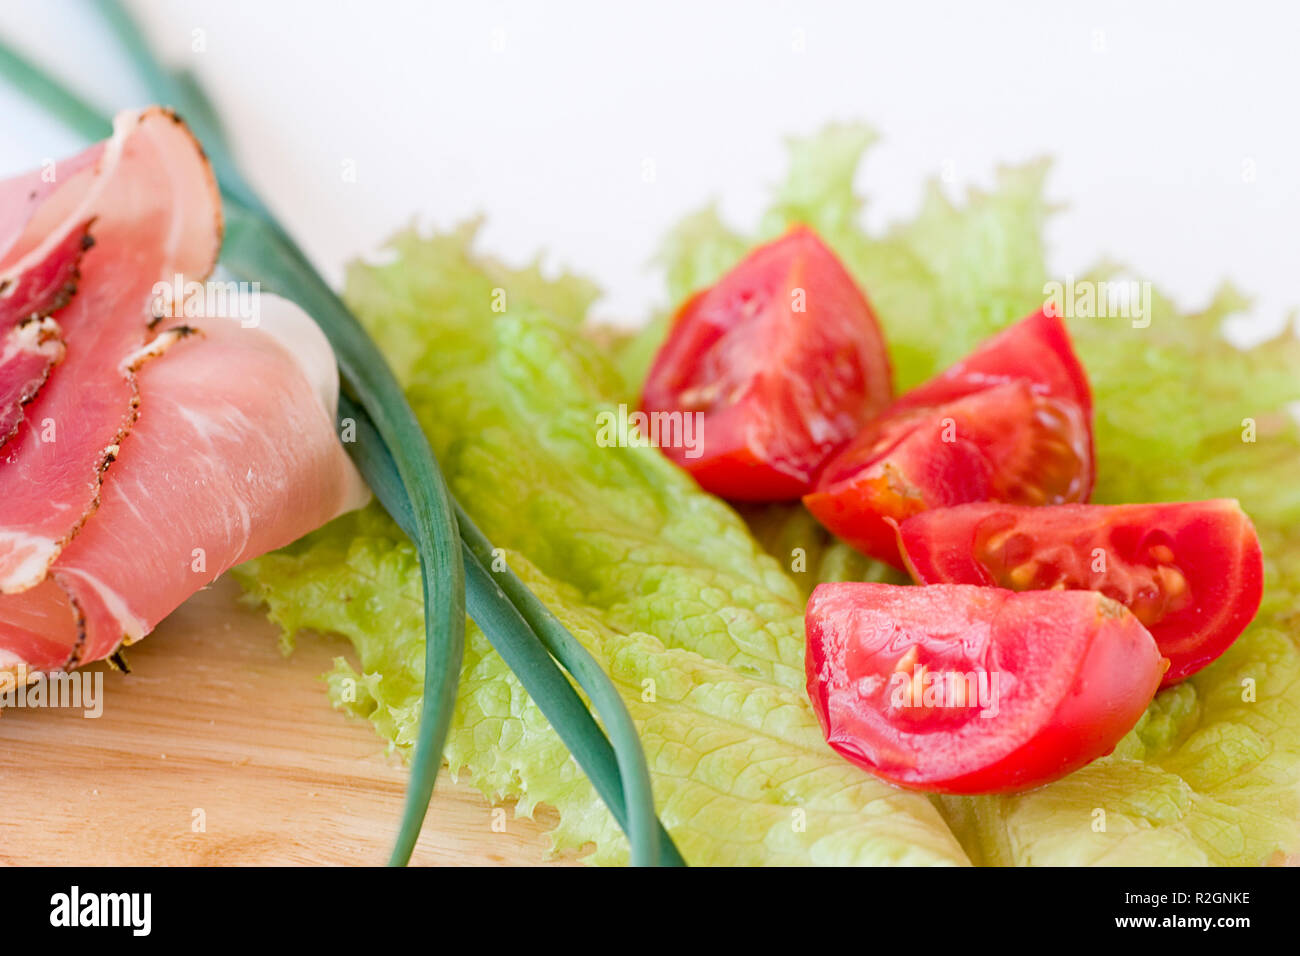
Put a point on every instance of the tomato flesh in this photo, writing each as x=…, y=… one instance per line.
x=784, y=361
x=1011, y=423
x=962, y=689
x=1191, y=572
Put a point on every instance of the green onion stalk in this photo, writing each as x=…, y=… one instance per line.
x=393, y=455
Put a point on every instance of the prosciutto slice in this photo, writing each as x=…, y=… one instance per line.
x=30, y=344
x=27, y=354
x=42, y=240
x=234, y=454
x=38, y=288
x=30, y=225
x=150, y=198
x=148, y=453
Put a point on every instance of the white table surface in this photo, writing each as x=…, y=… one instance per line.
x=541, y=115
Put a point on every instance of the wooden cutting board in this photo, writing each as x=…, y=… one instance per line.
x=213, y=718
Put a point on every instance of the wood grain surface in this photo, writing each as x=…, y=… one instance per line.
x=213, y=718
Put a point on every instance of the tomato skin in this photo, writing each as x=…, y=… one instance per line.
x=785, y=360
x=1037, y=349
x=1075, y=672
x=1011, y=422
x=1192, y=572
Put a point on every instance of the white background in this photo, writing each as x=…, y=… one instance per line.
x=541, y=116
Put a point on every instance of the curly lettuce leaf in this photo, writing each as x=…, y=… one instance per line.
x=698, y=614
x=1211, y=775
x=811, y=554
x=698, y=626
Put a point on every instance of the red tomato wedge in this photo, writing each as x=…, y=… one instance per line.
x=1036, y=350
x=1192, y=572
x=1012, y=422
x=959, y=689
x=784, y=361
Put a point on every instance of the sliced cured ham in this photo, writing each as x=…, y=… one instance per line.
x=27, y=354
x=46, y=284
x=45, y=221
x=31, y=224
x=140, y=458
x=30, y=343
x=153, y=206
x=234, y=453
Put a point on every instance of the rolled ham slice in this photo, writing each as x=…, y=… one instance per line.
x=234, y=454
x=155, y=213
x=31, y=343
x=27, y=354
x=31, y=225
x=146, y=454
x=45, y=221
